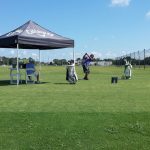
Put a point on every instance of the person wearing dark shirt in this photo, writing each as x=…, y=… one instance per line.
x=86, y=63
x=32, y=69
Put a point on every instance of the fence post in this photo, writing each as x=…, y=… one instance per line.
x=139, y=58
x=134, y=60
x=130, y=56
x=144, y=58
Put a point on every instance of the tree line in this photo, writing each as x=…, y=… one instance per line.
x=10, y=61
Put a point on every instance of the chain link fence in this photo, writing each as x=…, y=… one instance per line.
x=137, y=59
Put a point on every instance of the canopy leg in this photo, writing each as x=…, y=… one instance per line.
x=17, y=65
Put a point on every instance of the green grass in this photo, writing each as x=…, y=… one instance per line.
x=90, y=115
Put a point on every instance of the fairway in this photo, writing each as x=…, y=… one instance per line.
x=90, y=115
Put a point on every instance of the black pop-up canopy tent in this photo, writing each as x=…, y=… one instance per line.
x=33, y=36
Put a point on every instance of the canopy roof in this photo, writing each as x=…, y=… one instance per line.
x=32, y=36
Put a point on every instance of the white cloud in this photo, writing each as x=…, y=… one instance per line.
x=121, y=3
x=148, y=15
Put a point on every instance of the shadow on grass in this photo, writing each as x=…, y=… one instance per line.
x=4, y=82
x=7, y=83
x=42, y=82
x=61, y=83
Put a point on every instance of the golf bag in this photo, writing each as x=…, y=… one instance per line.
x=127, y=70
x=71, y=75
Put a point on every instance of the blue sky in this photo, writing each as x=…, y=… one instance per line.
x=107, y=28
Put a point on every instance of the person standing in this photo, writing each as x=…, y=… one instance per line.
x=86, y=63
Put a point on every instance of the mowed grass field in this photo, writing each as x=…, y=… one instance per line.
x=90, y=115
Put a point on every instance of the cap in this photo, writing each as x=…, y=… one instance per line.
x=30, y=59
x=92, y=55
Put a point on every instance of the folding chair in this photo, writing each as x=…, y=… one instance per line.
x=13, y=76
x=30, y=75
